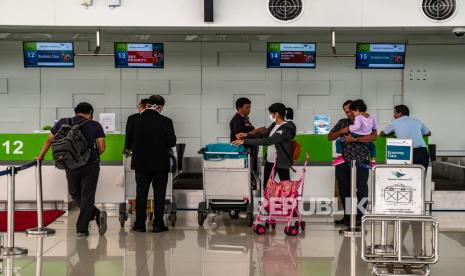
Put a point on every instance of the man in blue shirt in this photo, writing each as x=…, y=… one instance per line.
x=405, y=127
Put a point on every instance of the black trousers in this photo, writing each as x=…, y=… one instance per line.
x=253, y=157
x=82, y=185
x=420, y=157
x=159, y=180
x=283, y=173
x=343, y=177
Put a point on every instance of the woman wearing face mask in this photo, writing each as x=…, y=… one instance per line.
x=278, y=138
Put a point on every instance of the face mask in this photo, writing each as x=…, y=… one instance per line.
x=151, y=107
x=272, y=119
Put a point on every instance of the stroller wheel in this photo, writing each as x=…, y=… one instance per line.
x=200, y=218
x=172, y=219
x=303, y=225
x=291, y=231
x=300, y=224
x=249, y=219
x=259, y=229
x=273, y=225
x=122, y=219
x=234, y=214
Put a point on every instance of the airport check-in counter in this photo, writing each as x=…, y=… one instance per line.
x=320, y=174
x=18, y=149
x=21, y=148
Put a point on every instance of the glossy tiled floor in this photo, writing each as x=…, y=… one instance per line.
x=228, y=249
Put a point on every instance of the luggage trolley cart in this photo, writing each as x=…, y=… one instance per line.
x=130, y=194
x=398, y=198
x=226, y=182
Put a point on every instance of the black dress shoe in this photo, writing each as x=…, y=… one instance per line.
x=101, y=220
x=160, y=229
x=339, y=222
x=140, y=230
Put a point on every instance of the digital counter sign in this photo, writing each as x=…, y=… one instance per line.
x=48, y=54
x=139, y=55
x=380, y=56
x=291, y=55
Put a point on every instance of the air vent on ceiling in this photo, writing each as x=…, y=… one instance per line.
x=439, y=10
x=285, y=10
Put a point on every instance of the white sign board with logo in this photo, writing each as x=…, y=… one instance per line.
x=108, y=121
x=399, y=151
x=398, y=190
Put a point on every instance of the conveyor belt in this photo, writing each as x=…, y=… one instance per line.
x=449, y=175
x=188, y=181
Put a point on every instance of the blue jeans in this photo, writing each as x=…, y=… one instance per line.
x=371, y=146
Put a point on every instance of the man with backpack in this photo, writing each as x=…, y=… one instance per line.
x=77, y=144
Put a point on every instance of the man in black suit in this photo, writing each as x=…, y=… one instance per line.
x=130, y=126
x=154, y=138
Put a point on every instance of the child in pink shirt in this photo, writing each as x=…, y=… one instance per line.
x=364, y=124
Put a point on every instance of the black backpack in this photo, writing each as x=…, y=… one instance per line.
x=69, y=148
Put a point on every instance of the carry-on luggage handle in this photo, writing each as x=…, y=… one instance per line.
x=202, y=151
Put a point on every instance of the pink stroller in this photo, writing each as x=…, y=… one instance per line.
x=281, y=205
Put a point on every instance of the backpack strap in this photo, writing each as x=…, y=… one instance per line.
x=81, y=124
x=96, y=151
x=288, y=156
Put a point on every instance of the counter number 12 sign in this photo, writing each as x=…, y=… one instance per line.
x=21, y=146
x=13, y=147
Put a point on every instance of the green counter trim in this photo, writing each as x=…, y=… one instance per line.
x=317, y=146
x=24, y=147
x=321, y=150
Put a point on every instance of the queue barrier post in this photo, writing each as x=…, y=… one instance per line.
x=40, y=230
x=39, y=256
x=2, y=173
x=1, y=256
x=353, y=231
x=9, y=249
x=10, y=265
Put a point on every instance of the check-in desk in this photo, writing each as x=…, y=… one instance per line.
x=17, y=149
